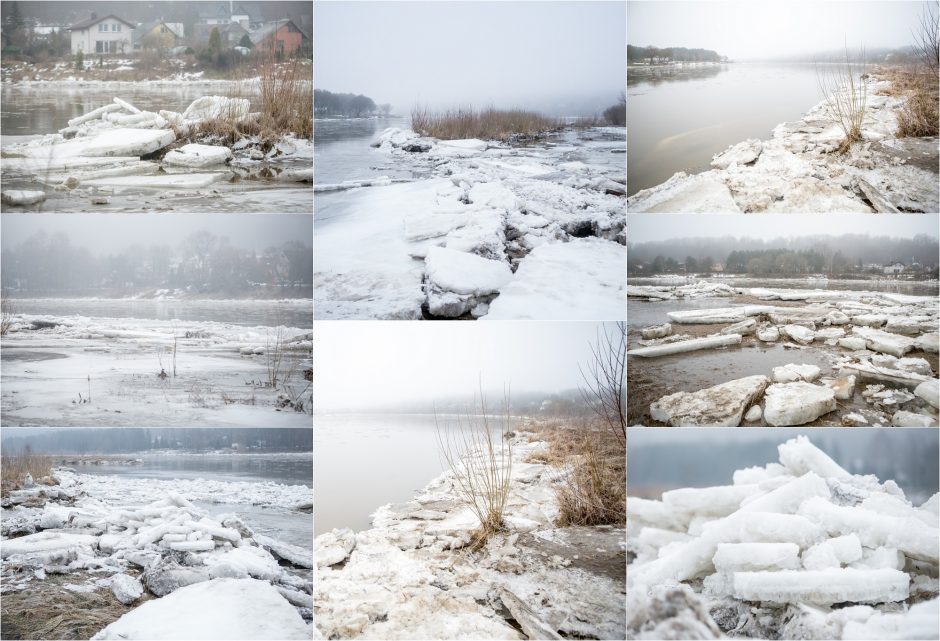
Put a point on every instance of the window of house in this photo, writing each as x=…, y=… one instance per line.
x=102, y=27
x=99, y=46
x=116, y=26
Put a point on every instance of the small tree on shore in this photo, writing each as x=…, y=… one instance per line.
x=605, y=389
x=79, y=61
x=845, y=91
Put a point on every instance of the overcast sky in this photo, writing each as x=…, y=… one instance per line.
x=652, y=227
x=360, y=364
x=549, y=56
x=754, y=29
x=110, y=233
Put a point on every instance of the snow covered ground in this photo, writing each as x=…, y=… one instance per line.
x=855, y=357
x=799, y=549
x=798, y=170
x=149, y=540
x=408, y=576
x=495, y=232
x=76, y=370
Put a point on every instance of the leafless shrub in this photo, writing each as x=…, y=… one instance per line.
x=927, y=38
x=274, y=355
x=478, y=448
x=604, y=388
x=846, y=94
x=7, y=313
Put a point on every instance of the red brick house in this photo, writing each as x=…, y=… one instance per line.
x=280, y=37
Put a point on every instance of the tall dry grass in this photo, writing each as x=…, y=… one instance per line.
x=920, y=115
x=283, y=95
x=14, y=468
x=478, y=448
x=488, y=124
x=593, y=490
x=845, y=91
x=7, y=313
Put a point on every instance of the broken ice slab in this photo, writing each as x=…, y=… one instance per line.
x=797, y=403
x=718, y=315
x=822, y=587
x=866, y=371
x=111, y=142
x=747, y=326
x=791, y=372
x=23, y=197
x=800, y=334
x=707, y=342
x=799, y=456
x=929, y=342
x=833, y=553
x=880, y=341
x=656, y=331
x=194, y=155
x=164, y=181
x=708, y=501
x=903, y=418
x=929, y=391
x=736, y=557
x=718, y=406
x=874, y=529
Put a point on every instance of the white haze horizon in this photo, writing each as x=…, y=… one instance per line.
x=561, y=58
x=773, y=30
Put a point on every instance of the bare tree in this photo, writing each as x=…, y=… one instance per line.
x=845, y=91
x=927, y=38
x=604, y=378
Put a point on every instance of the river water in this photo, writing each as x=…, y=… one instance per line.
x=678, y=119
x=363, y=461
x=290, y=527
x=342, y=151
x=248, y=313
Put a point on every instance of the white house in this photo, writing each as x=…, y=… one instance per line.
x=108, y=34
x=894, y=268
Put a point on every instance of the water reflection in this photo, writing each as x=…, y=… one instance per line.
x=639, y=75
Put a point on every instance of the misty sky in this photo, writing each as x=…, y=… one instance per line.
x=361, y=364
x=753, y=29
x=110, y=233
x=649, y=227
x=539, y=55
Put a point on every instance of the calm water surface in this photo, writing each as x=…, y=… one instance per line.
x=244, y=313
x=364, y=461
x=677, y=121
x=342, y=152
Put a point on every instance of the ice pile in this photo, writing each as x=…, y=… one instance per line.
x=799, y=545
x=164, y=546
x=493, y=230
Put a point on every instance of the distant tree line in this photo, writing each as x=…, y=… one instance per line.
x=844, y=252
x=327, y=103
x=137, y=439
x=653, y=55
x=204, y=262
x=617, y=114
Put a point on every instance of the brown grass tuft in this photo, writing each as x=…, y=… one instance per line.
x=594, y=491
x=284, y=99
x=15, y=467
x=48, y=611
x=489, y=124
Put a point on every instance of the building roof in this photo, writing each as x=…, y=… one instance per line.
x=146, y=27
x=221, y=10
x=90, y=22
x=268, y=28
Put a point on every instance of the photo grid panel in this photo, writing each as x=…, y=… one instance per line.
x=156, y=339
x=782, y=373
x=470, y=477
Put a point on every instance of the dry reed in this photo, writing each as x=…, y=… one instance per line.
x=489, y=124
